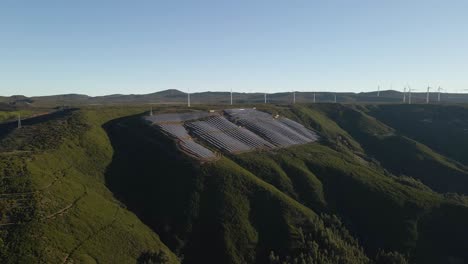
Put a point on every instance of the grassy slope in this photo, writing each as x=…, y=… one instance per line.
x=448, y=126
x=403, y=214
x=13, y=115
x=75, y=217
x=400, y=154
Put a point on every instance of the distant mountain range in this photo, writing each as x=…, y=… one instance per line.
x=175, y=96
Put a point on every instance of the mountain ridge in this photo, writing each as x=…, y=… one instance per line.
x=179, y=97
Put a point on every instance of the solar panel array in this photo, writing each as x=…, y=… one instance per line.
x=226, y=136
x=243, y=130
x=177, y=117
x=196, y=149
x=298, y=128
x=172, y=125
x=281, y=132
x=174, y=130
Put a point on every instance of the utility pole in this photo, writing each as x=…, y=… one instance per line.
x=231, y=96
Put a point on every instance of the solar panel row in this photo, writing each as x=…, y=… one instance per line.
x=175, y=130
x=196, y=149
x=258, y=130
x=186, y=143
x=216, y=137
x=177, y=117
x=281, y=132
x=242, y=134
x=226, y=136
x=299, y=128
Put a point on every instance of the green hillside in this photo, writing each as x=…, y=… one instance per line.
x=448, y=126
x=402, y=155
x=99, y=185
x=55, y=206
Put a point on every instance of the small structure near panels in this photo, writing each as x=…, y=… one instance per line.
x=231, y=131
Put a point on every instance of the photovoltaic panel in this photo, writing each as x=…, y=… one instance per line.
x=298, y=128
x=217, y=137
x=172, y=125
x=177, y=117
x=240, y=130
x=281, y=132
x=240, y=133
x=196, y=149
x=174, y=130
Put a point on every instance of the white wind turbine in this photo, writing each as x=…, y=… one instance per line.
x=427, y=94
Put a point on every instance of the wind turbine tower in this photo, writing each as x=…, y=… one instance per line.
x=265, y=97
x=335, y=98
x=427, y=95
x=188, y=97
x=314, y=97
x=231, y=96
x=409, y=95
x=294, y=97
x=404, y=95
x=438, y=94
x=19, y=120
x=378, y=91
x=151, y=111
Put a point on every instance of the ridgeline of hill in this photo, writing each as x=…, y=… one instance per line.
x=215, y=98
x=386, y=184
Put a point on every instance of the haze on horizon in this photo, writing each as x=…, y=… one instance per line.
x=109, y=47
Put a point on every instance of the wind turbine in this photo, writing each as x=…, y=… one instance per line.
x=335, y=98
x=409, y=95
x=314, y=97
x=404, y=95
x=438, y=94
x=188, y=97
x=231, y=96
x=427, y=95
x=19, y=120
x=294, y=97
x=151, y=111
x=265, y=97
x=378, y=91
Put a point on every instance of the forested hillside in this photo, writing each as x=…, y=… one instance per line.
x=54, y=202
x=385, y=184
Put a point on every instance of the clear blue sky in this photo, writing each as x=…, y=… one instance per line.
x=101, y=47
